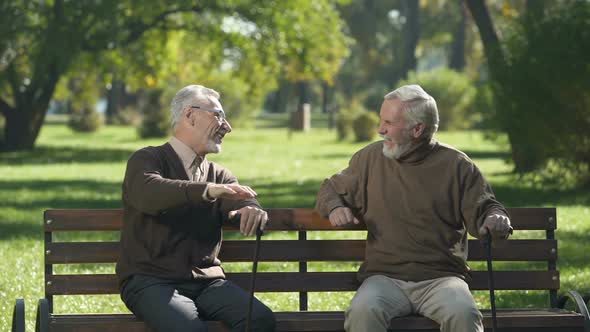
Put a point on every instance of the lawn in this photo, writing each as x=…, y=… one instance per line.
x=69, y=170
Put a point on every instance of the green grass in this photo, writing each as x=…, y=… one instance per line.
x=69, y=170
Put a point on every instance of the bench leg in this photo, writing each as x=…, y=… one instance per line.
x=18, y=316
x=42, y=321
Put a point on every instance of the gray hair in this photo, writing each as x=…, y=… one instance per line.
x=418, y=107
x=190, y=95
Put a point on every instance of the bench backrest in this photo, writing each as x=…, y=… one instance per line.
x=540, y=249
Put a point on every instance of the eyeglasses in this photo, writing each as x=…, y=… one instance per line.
x=219, y=113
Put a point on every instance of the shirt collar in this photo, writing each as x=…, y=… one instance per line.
x=184, y=152
x=418, y=152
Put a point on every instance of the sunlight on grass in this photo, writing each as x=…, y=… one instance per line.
x=69, y=170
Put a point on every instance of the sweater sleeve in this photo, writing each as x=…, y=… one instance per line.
x=225, y=176
x=149, y=192
x=342, y=189
x=477, y=198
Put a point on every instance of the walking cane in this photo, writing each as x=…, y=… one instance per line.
x=237, y=217
x=253, y=282
x=488, y=245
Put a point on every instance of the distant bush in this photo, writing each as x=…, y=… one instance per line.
x=454, y=94
x=84, y=119
x=127, y=116
x=346, y=116
x=365, y=126
x=156, y=120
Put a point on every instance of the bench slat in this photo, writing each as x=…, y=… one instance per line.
x=298, y=251
x=328, y=321
x=281, y=219
x=61, y=284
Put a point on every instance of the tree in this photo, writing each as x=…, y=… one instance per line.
x=49, y=39
x=457, y=56
x=539, y=77
x=411, y=33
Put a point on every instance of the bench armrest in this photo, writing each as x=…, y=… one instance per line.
x=580, y=306
x=42, y=321
x=18, y=316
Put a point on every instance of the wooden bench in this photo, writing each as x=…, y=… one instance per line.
x=541, y=249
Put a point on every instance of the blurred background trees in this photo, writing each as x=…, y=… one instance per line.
x=236, y=46
x=513, y=67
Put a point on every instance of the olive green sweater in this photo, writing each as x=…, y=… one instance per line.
x=417, y=209
x=169, y=230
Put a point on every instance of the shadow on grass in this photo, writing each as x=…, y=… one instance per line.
x=54, y=194
x=289, y=194
x=513, y=195
x=50, y=155
x=573, y=248
x=11, y=230
x=474, y=154
x=58, y=194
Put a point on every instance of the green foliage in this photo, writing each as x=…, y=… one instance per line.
x=346, y=116
x=156, y=118
x=85, y=119
x=484, y=106
x=544, y=92
x=365, y=126
x=454, y=94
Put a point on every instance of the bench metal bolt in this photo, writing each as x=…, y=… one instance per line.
x=48, y=252
x=49, y=283
x=553, y=250
x=49, y=221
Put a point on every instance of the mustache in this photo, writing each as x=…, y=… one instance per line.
x=215, y=129
x=385, y=137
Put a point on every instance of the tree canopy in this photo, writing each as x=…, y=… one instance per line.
x=245, y=43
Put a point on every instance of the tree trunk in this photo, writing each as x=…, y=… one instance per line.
x=411, y=32
x=114, y=95
x=496, y=67
x=24, y=120
x=326, y=94
x=304, y=95
x=487, y=33
x=457, y=58
x=23, y=126
x=282, y=97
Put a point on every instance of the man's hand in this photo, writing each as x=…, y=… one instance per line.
x=341, y=216
x=498, y=225
x=230, y=191
x=251, y=218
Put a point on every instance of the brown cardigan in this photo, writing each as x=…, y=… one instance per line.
x=418, y=209
x=169, y=230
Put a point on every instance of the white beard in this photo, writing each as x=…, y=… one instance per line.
x=398, y=150
x=213, y=147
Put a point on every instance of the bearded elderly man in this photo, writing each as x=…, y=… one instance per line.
x=175, y=202
x=418, y=198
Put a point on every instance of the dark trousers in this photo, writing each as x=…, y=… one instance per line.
x=166, y=305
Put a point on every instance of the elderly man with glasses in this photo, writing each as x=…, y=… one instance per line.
x=175, y=202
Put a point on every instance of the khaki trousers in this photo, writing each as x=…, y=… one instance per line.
x=445, y=300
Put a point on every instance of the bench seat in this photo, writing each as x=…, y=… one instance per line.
x=517, y=320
